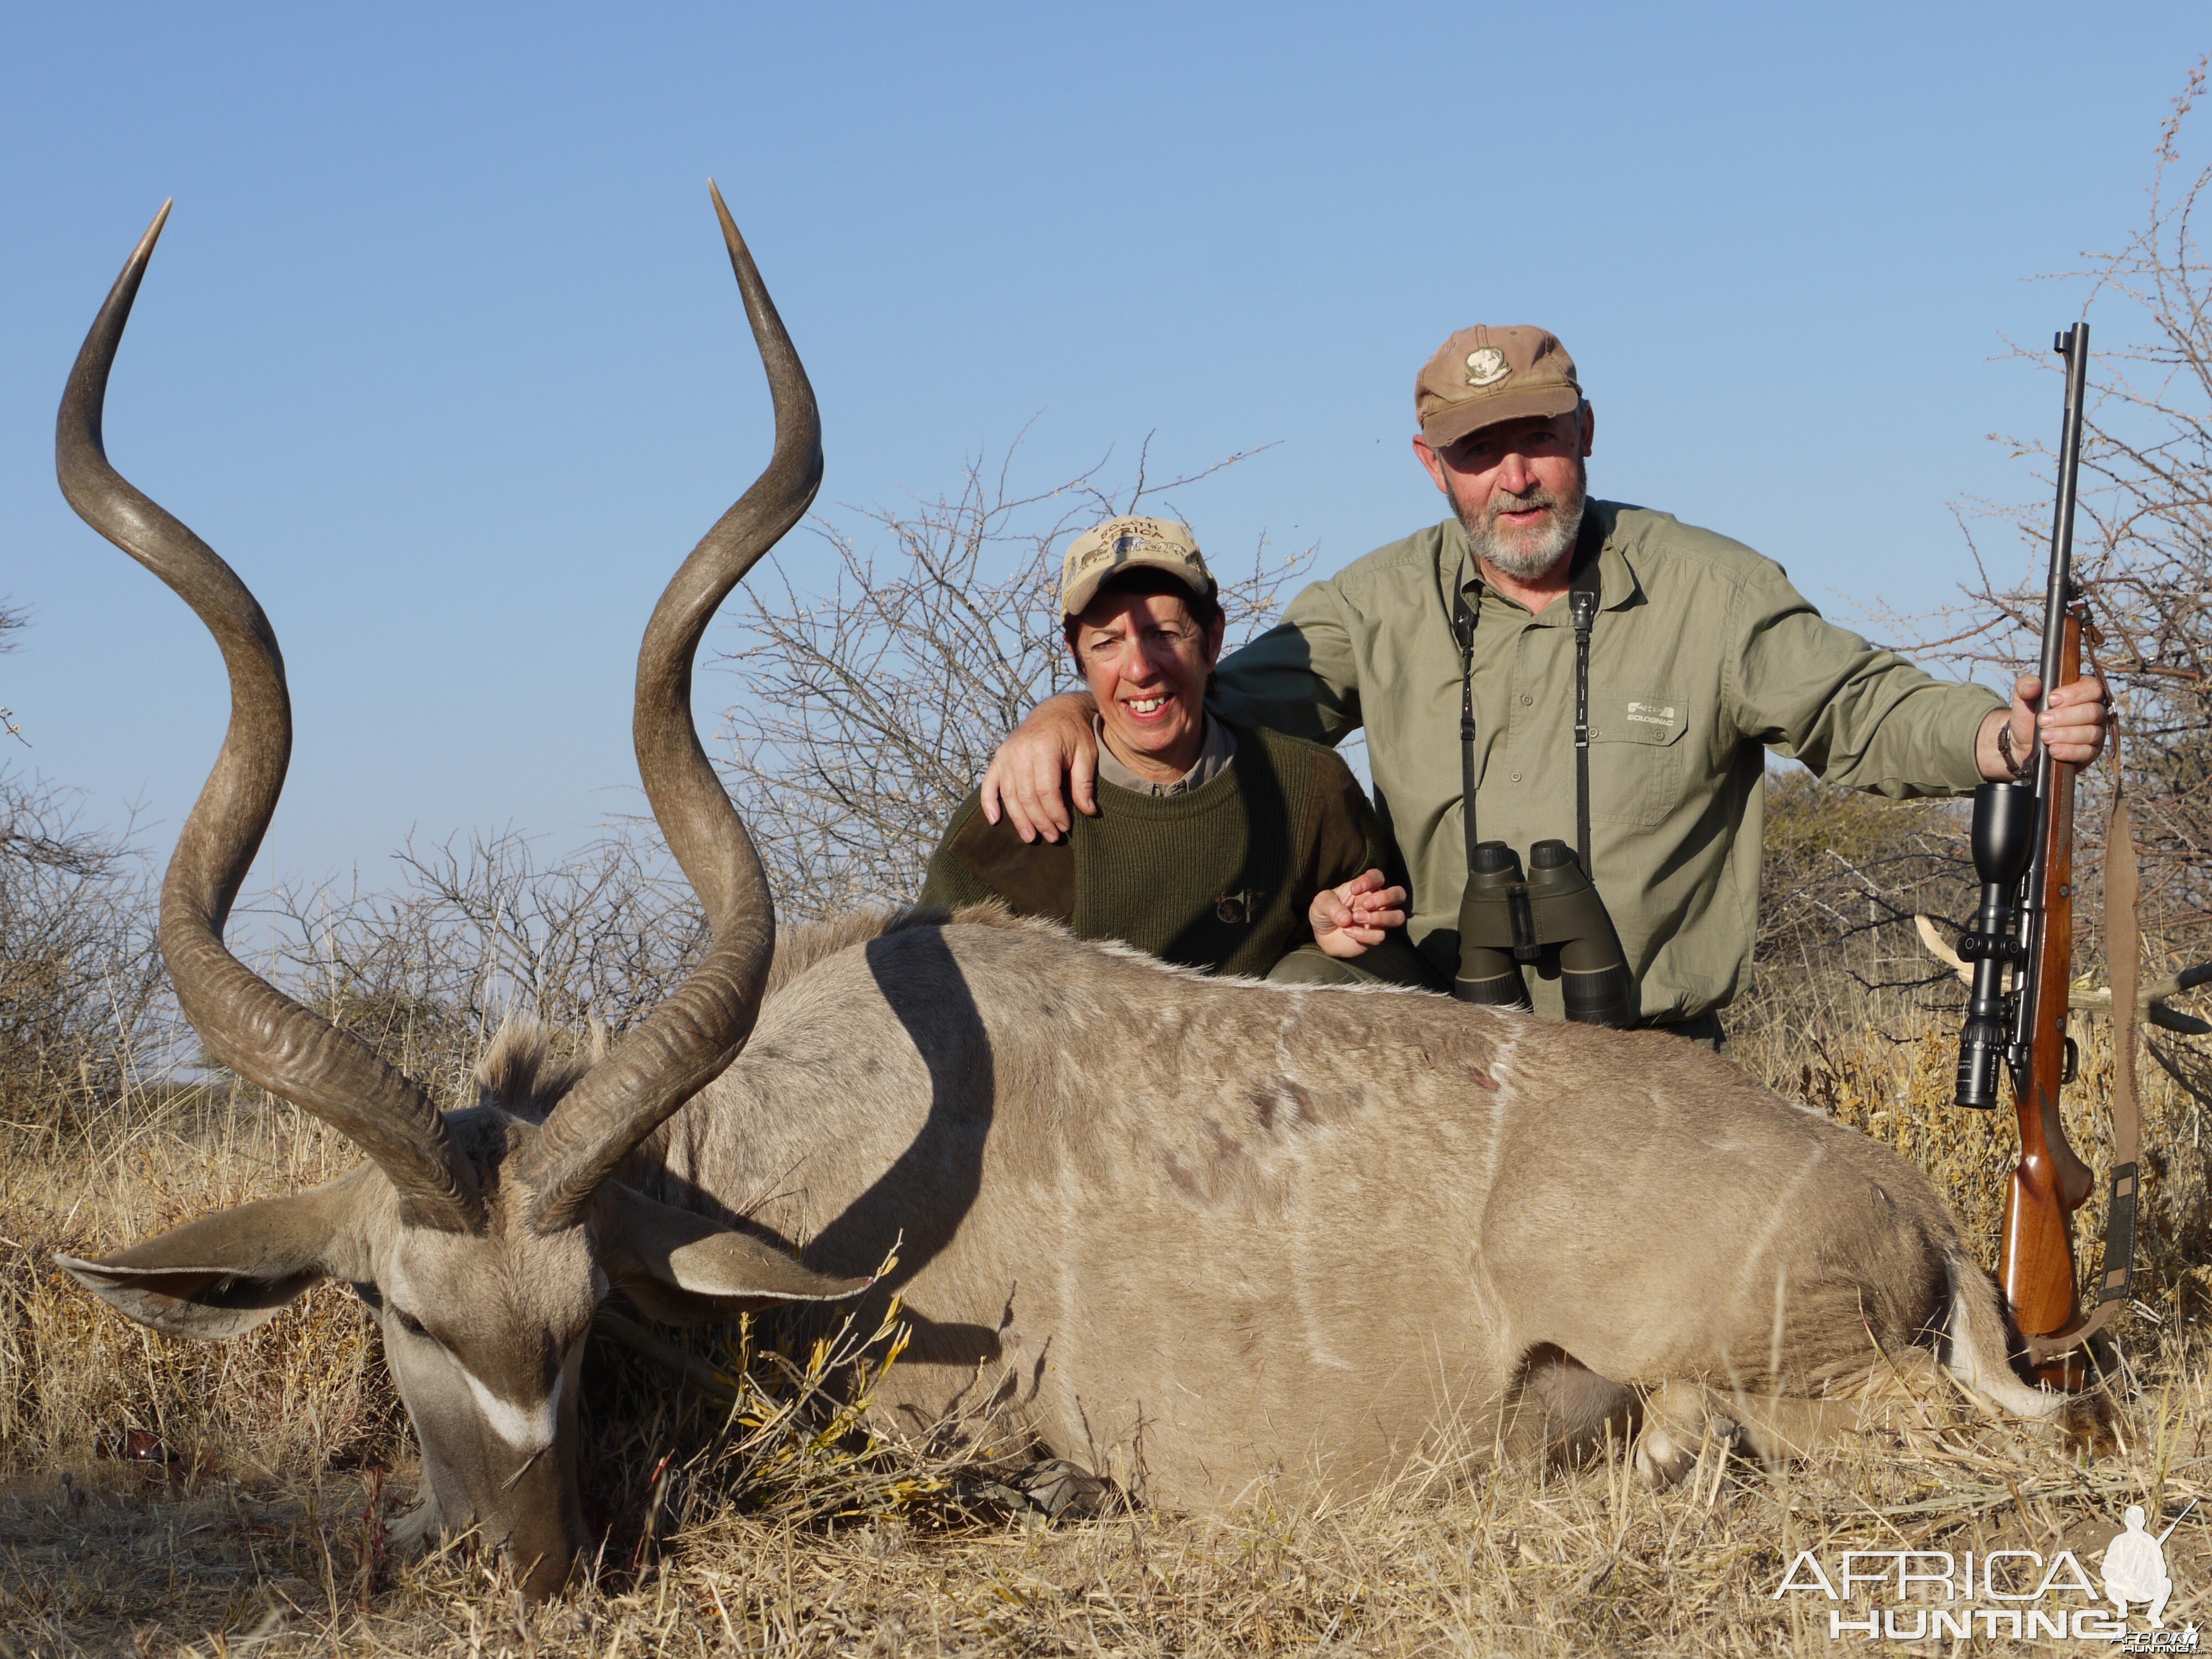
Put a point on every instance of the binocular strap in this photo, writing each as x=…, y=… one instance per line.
x=1582, y=601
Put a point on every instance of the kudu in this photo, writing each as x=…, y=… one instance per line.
x=483, y=1239
x=1195, y=1233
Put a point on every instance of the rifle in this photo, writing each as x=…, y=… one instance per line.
x=2023, y=846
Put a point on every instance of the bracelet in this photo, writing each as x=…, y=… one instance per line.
x=2004, y=750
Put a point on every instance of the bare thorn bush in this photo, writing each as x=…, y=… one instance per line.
x=79, y=979
x=2143, y=542
x=871, y=710
x=481, y=931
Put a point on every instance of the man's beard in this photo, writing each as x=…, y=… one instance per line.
x=1525, y=554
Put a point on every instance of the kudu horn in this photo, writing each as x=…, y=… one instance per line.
x=690, y=1038
x=246, y=1022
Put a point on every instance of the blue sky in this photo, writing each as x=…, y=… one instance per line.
x=441, y=350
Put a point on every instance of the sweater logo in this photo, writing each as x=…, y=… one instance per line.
x=1238, y=910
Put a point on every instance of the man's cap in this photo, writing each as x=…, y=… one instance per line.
x=1127, y=543
x=1484, y=375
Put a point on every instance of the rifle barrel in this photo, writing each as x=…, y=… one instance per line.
x=2050, y=780
x=2074, y=343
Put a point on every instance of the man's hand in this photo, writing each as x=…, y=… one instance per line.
x=2072, y=726
x=1054, y=743
x=1352, y=920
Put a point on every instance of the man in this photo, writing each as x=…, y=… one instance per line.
x=1209, y=845
x=1700, y=656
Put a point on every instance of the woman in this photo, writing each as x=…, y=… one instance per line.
x=1221, y=847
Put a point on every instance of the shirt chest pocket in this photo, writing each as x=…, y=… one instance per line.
x=1637, y=759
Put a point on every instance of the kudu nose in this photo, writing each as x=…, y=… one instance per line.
x=544, y=1574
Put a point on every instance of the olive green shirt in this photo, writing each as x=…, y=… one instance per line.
x=1702, y=657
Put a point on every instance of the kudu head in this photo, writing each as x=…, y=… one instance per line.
x=484, y=1238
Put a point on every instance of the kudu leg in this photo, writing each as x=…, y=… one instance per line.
x=1562, y=1410
x=1679, y=1418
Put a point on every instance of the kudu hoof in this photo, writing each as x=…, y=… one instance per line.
x=1661, y=1459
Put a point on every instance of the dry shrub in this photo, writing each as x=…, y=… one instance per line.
x=482, y=930
x=1842, y=877
x=78, y=975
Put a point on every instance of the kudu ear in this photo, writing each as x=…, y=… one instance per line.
x=225, y=1273
x=683, y=1269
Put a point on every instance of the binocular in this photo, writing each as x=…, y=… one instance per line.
x=1553, y=918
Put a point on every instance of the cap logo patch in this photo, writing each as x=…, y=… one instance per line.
x=1486, y=366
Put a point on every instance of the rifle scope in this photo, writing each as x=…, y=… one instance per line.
x=2003, y=843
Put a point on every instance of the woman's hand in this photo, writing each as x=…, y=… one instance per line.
x=1352, y=919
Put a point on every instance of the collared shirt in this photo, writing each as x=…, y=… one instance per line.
x=1218, y=748
x=1703, y=656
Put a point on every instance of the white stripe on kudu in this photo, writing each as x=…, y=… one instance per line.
x=525, y=1428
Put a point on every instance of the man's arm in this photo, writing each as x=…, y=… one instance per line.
x=1865, y=717
x=1299, y=676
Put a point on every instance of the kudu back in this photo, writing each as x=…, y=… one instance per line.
x=1194, y=1233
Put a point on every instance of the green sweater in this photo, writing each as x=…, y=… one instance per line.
x=1219, y=878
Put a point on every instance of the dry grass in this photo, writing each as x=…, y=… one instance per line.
x=762, y=1526
x=75, y=1379
x=749, y=1517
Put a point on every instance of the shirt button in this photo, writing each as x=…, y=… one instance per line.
x=1516, y=777
x=1525, y=700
